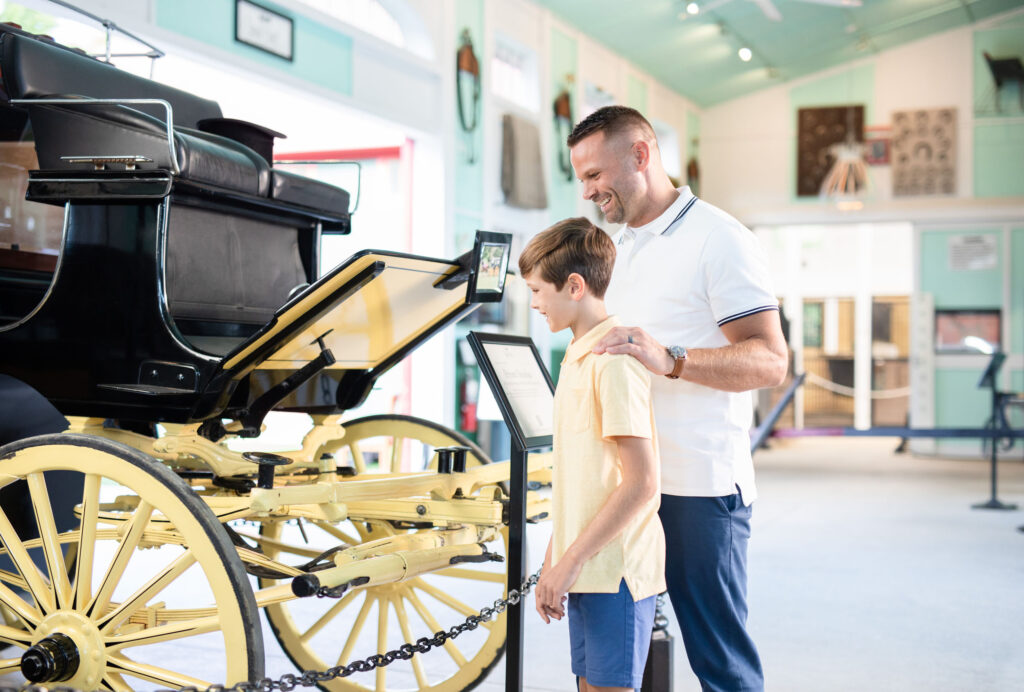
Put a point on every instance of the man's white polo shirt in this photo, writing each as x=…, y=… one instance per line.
x=680, y=278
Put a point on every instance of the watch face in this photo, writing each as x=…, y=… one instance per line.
x=677, y=351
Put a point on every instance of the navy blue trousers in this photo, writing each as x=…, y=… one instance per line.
x=706, y=571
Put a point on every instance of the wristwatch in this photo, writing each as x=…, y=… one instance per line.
x=679, y=353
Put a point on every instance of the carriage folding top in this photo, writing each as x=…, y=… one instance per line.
x=185, y=287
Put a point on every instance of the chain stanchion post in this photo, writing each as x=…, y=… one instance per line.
x=516, y=568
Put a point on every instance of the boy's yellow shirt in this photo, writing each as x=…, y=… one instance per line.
x=598, y=397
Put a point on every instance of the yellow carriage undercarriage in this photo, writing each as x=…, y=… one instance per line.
x=170, y=527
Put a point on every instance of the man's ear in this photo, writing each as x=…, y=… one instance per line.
x=577, y=286
x=641, y=154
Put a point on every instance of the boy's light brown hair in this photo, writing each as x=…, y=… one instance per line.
x=570, y=246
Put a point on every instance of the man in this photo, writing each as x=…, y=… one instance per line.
x=693, y=281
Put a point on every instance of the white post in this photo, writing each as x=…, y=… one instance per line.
x=862, y=359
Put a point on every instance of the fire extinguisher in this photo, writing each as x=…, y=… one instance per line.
x=467, y=412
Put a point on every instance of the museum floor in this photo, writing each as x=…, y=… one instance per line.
x=868, y=571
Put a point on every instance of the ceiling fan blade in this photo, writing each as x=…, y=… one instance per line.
x=770, y=11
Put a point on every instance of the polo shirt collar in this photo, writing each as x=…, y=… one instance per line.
x=658, y=226
x=585, y=344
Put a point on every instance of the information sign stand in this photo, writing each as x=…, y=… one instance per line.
x=525, y=394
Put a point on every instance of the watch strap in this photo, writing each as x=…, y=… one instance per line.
x=677, y=367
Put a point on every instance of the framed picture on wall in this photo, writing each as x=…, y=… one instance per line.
x=263, y=28
x=877, y=144
x=968, y=331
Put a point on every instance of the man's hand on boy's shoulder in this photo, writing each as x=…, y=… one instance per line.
x=636, y=342
x=552, y=587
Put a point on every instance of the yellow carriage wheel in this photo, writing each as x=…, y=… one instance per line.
x=145, y=589
x=317, y=633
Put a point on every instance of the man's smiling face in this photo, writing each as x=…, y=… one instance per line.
x=610, y=179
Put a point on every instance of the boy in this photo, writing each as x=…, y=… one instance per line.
x=607, y=549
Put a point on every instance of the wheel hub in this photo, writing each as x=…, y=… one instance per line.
x=51, y=659
x=68, y=647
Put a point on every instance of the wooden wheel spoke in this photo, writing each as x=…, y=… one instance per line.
x=357, y=627
x=435, y=626
x=395, y=459
x=357, y=457
x=158, y=583
x=382, y=640
x=125, y=550
x=14, y=635
x=328, y=616
x=7, y=577
x=34, y=581
x=114, y=683
x=474, y=574
x=10, y=665
x=121, y=665
x=403, y=624
x=19, y=607
x=449, y=600
x=60, y=585
x=338, y=533
x=87, y=540
x=164, y=633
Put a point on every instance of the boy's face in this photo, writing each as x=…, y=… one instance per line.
x=558, y=306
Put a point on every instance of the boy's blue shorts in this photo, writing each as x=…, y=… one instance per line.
x=610, y=635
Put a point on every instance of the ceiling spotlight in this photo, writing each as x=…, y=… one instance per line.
x=692, y=8
x=745, y=54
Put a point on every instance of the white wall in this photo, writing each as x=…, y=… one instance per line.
x=748, y=145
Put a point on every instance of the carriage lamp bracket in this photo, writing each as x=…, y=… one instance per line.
x=252, y=418
x=485, y=556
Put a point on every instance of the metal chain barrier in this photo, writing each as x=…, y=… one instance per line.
x=310, y=678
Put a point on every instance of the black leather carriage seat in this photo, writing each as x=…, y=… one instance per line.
x=226, y=274
x=34, y=68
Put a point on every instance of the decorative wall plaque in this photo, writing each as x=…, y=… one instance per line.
x=924, y=152
x=818, y=129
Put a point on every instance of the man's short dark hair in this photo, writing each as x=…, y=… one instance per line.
x=611, y=120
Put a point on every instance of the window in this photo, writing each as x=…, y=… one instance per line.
x=514, y=74
x=967, y=331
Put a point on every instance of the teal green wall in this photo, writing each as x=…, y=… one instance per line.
x=960, y=404
x=1006, y=40
x=958, y=401
x=562, y=192
x=959, y=289
x=964, y=406
x=855, y=86
x=1017, y=291
x=636, y=94
x=321, y=56
x=998, y=158
x=998, y=127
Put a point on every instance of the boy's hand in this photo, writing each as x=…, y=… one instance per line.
x=639, y=344
x=552, y=587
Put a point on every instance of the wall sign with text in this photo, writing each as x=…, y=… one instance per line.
x=265, y=29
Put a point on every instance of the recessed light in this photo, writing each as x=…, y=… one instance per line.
x=692, y=8
x=745, y=54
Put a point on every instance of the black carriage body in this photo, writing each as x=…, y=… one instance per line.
x=171, y=297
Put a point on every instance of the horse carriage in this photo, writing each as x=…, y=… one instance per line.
x=179, y=303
